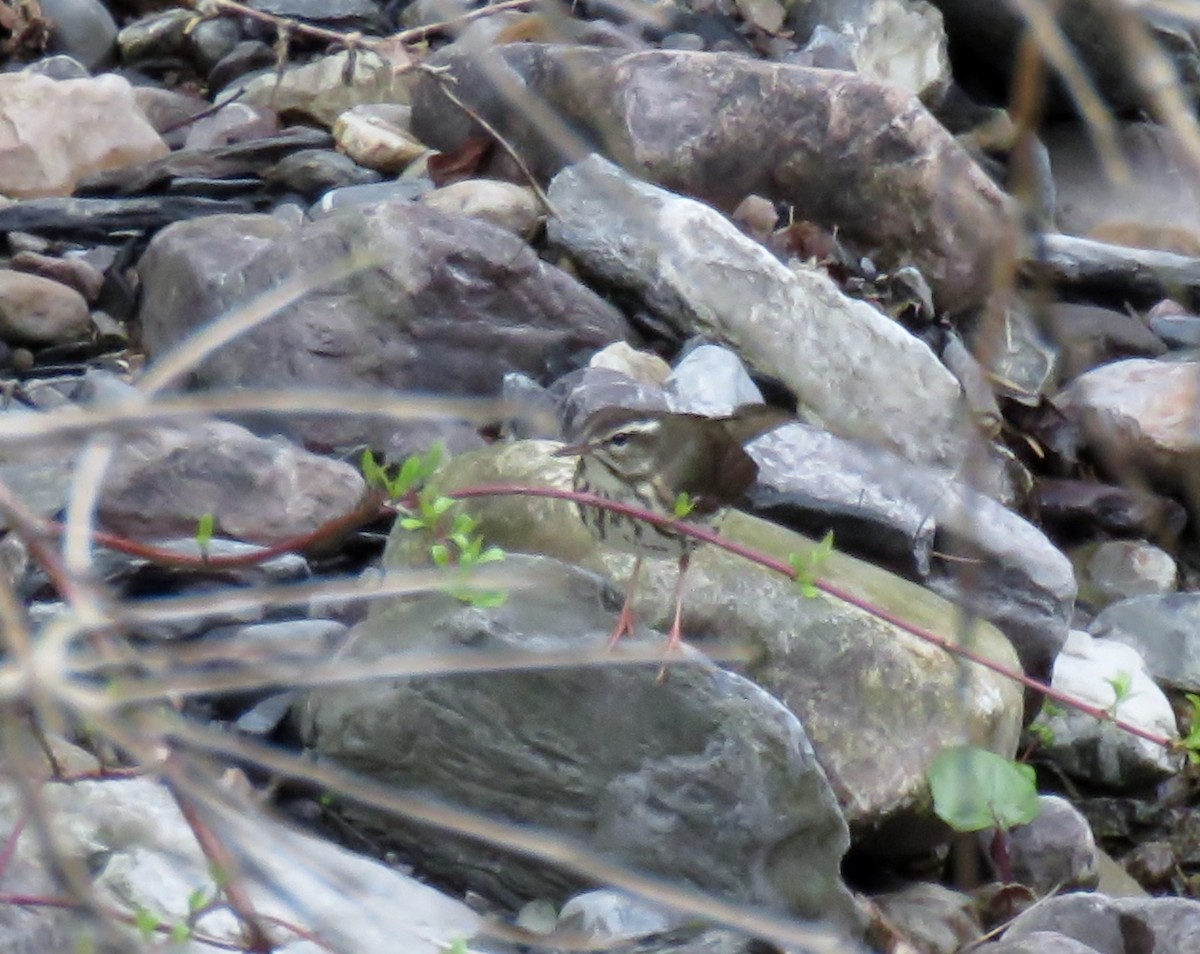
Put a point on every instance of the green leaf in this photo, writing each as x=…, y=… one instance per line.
x=197, y=900
x=204, y=532
x=409, y=476
x=458, y=946
x=490, y=555
x=465, y=524
x=1121, y=684
x=684, y=504
x=146, y=922
x=432, y=459
x=441, y=504
x=180, y=933
x=412, y=523
x=373, y=471
x=824, y=548
x=974, y=789
x=440, y=553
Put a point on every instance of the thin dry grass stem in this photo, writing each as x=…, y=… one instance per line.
x=499, y=139
x=1039, y=16
x=256, y=675
x=353, y=40
x=72, y=422
x=559, y=851
x=416, y=34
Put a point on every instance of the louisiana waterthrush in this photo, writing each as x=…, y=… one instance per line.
x=684, y=466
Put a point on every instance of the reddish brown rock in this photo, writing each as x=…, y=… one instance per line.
x=36, y=310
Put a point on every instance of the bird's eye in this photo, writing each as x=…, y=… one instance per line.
x=619, y=440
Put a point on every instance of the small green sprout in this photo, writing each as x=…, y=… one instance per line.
x=1122, y=684
x=1190, y=743
x=413, y=473
x=146, y=922
x=684, y=505
x=805, y=568
x=204, y=533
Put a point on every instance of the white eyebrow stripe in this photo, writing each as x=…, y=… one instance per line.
x=638, y=427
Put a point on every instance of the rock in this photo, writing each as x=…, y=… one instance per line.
x=247, y=57
x=861, y=373
x=377, y=137
x=916, y=521
x=1020, y=358
x=75, y=272
x=1097, y=751
x=934, y=919
x=714, y=755
x=750, y=127
x=1139, y=419
x=1086, y=270
x=313, y=172
x=142, y=856
x=155, y=37
x=83, y=29
x=640, y=366
x=321, y=90
x=163, y=480
x=1040, y=942
x=52, y=134
x=710, y=380
x=1056, y=851
x=98, y=218
x=230, y=124
x=822, y=657
x=1164, y=629
x=512, y=207
x=451, y=305
x=38, y=311
x=1089, y=336
x=1163, y=925
x=889, y=41
x=1075, y=507
x=1120, y=569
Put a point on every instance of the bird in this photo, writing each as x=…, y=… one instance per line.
x=684, y=466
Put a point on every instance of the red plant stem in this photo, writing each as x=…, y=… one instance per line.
x=778, y=566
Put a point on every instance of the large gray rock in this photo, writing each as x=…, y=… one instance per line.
x=849, y=364
x=451, y=305
x=704, y=778
x=842, y=151
x=860, y=685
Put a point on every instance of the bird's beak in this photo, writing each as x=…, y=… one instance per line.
x=572, y=450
